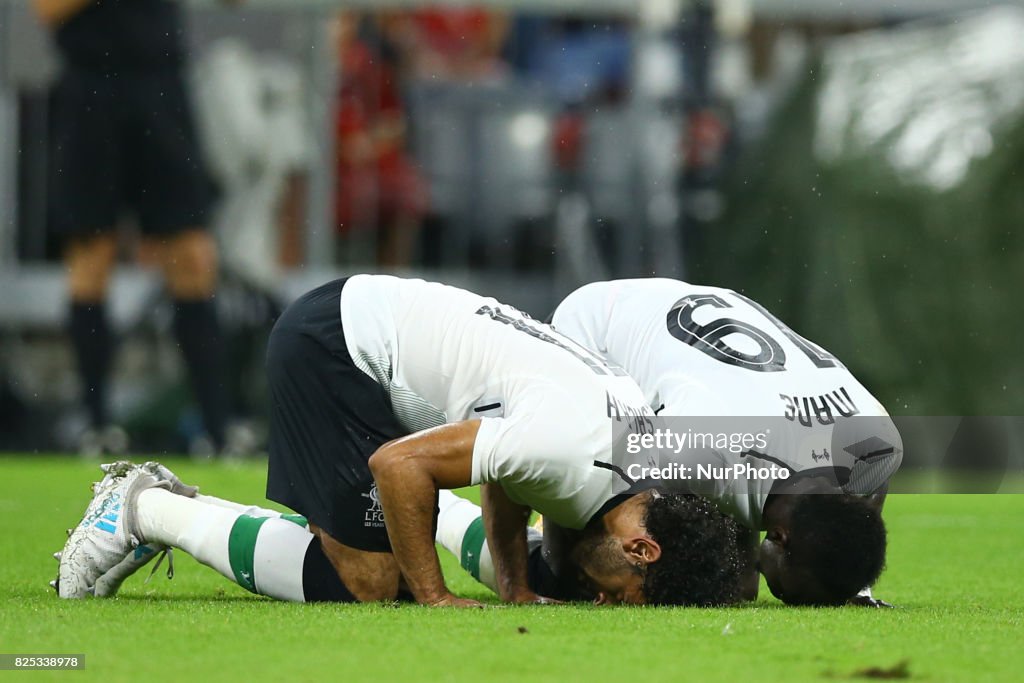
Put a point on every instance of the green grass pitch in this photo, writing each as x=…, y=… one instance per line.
x=956, y=565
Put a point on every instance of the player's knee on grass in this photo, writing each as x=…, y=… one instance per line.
x=320, y=581
x=368, y=576
x=190, y=264
x=834, y=547
x=89, y=262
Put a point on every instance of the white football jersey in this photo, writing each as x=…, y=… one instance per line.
x=445, y=355
x=708, y=351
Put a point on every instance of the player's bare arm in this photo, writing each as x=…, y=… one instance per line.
x=409, y=471
x=557, y=548
x=505, y=524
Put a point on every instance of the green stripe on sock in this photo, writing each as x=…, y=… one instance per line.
x=242, y=547
x=472, y=544
x=296, y=519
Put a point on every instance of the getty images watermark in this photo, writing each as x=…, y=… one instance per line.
x=668, y=442
x=857, y=453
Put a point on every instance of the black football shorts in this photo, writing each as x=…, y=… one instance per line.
x=327, y=417
x=127, y=142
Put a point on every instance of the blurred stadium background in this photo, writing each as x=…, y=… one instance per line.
x=854, y=166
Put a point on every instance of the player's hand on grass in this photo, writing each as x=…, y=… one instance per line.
x=528, y=597
x=450, y=600
x=541, y=600
x=869, y=601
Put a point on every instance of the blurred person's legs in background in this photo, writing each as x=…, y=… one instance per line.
x=189, y=264
x=89, y=262
x=172, y=195
x=129, y=141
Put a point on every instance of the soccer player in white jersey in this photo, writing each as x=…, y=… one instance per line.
x=384, y=391
x=707, y=351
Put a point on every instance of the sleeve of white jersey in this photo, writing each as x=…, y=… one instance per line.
x=486, y=468
x=537, y=450
x=513, y=450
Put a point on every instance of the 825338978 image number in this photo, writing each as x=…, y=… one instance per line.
x=14, y=662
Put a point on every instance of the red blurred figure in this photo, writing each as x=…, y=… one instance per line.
x=708, y=135
x=378, y=186
x=461, y=44
x=568, y=140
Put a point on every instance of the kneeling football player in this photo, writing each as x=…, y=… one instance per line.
x=705, y=351
x=384, y=391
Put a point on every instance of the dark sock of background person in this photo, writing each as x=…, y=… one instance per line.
x=198, y=332
x=92, y=341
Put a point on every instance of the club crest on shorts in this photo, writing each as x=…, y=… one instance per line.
x=374, y=516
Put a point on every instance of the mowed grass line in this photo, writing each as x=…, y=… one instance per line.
x=955, y=569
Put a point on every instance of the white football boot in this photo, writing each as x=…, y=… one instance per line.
x=110, y=582
x=107, y=532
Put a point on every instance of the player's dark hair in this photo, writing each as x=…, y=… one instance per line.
x=840, y=540
x=700, y=561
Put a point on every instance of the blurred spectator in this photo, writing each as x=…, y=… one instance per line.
x=581, y=62
x=255, y=130
x=125, y=138
x=255, y=125
x=453, y=43
x=379, y=188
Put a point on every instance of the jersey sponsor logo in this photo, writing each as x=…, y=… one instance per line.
x=374, y=516
x=524, y=323
x=758, y=455
x=822, y=408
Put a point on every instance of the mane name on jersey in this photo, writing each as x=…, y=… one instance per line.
x=803, y=408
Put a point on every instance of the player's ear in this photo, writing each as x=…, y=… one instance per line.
x=642, y=549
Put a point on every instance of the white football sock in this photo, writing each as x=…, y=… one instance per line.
x=262, y=554
x=455, y=515
x=251, y=510
x=460, y=530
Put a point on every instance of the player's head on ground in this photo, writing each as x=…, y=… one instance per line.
x=660, y=549
x=821, y=548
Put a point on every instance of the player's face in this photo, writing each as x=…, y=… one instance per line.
x=607, y=570
x=614, y=588
x=787, y=581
